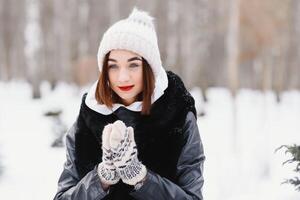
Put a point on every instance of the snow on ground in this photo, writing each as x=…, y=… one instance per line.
x=239, y=137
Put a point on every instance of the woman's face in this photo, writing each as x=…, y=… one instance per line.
x=125, y=74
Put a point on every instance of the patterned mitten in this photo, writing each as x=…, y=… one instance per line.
x=106, y=170
x=124, y=153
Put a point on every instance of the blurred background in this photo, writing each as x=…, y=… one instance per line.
x=239, y=59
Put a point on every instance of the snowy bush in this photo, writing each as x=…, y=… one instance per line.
x=294, y=150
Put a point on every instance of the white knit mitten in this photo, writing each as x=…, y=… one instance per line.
x=124, y=153
x=106, y=170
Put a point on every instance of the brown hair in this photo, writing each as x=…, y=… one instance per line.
x=105, y=95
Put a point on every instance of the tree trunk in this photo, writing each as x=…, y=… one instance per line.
x=233, y=46
x=33, y=46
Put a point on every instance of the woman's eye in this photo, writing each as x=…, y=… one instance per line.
x=112, y=66
x=134, y=65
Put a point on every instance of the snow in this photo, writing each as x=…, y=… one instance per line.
x=239, y=137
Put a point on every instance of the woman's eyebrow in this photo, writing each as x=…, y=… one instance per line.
x=134, y=58
x=130, y=59
x=110, y=59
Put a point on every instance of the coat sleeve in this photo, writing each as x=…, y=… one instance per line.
x=69, y=185
x=189, y=171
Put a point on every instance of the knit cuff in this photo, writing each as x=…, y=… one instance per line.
x=107, y=176
x=133, y=173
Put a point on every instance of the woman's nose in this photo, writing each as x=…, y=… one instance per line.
x=124, y=75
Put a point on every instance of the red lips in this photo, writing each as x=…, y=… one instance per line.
x=126, y=88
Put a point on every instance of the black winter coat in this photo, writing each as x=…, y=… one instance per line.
x=168, y=144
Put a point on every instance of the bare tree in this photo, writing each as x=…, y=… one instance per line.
x=263, y=45
x=7, y=19
x=48, y=42
x=2, y=68
x=198, y=41
x=297, y=25
x=17, y=56
x=233, y=45
x=33, y=46
x=12, y=19
x=293, y=69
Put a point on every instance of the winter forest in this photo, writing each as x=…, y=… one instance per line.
x=239, y=59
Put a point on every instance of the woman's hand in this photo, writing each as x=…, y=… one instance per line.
x=106, y=169
x=124, y=154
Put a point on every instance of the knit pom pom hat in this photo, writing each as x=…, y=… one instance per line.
x=137, y=34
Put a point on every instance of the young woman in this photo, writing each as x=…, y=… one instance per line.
x=136, y=135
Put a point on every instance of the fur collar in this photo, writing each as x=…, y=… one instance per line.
x=176, y=101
